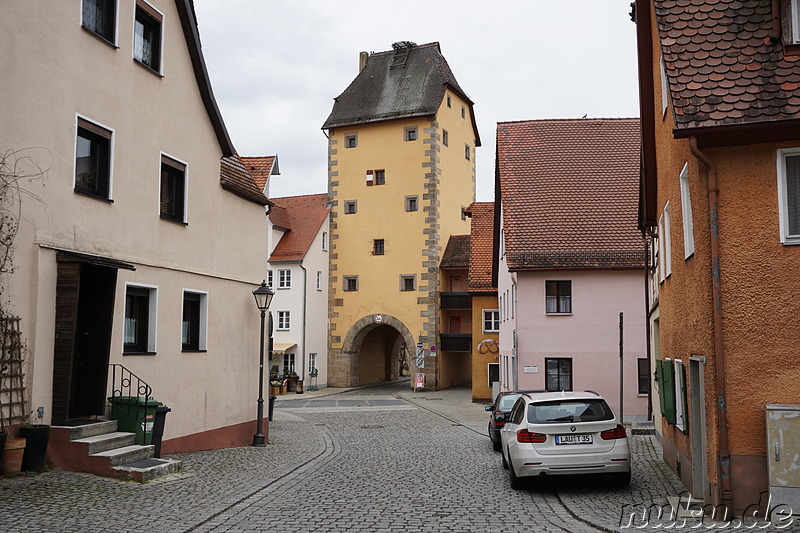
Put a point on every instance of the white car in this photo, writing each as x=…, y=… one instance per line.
x=562, y=433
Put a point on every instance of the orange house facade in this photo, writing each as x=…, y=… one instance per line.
x=719, y=200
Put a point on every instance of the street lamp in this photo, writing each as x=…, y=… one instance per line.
x=263, y=296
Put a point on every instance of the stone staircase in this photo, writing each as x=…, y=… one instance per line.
x=96, y=447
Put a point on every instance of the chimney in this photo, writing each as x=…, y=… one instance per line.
x=362, y=60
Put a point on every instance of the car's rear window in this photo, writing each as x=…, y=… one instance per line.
x=507, y=402
x=556, y=411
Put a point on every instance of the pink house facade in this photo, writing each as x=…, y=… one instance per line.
x=569, y=260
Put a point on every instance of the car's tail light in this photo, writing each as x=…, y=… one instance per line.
x=616, y=433
x=499, y=423
x=523, y=435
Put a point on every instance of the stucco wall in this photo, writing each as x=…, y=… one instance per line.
x=414, y=241
x=57, y=71
x=482, y=355
x=590, y=335
x=758, y=285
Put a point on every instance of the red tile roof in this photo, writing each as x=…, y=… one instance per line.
x=481, y=242
x=456, y=254
x=261, y=168
x=305, y=215
x=233, y=177
x=280, y=218
x=722, y=66
x=569, y=191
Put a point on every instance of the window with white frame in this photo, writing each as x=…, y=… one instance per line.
x=558, y=297
x=269, y=278
x=93, y=159
x=312, y=362
x=686, y=211
x=491, y=320
x=288, y=363
x=661, y=239
x=789, y=195
x=284, y=320
x=100, y=18
x=319, y=280
x=195, y=321
x=667, y=242
x=284, y=278
x=664, y=91
x=680, y=396
x=173, y=189
x=139, y=336
x=147, y=36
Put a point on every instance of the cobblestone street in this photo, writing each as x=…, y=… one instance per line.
x=372, y=459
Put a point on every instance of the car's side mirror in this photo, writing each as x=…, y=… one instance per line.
x=488, y=408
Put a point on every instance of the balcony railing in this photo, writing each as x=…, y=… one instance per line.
x=456, y=300
x=456, y=342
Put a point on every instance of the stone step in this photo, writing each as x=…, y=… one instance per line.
x=108, y=441
x=148, y=469
x=90, y=429
x=126, y=454
x=643, y=428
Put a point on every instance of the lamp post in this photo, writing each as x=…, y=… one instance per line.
x=263, y=296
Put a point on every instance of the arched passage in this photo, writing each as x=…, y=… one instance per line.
x=373, y=347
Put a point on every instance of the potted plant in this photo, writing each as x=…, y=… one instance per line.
x=36, y=437
x=276, y=386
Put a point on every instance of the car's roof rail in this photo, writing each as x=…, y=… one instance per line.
x=592, y=392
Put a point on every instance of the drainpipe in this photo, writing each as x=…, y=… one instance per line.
x=726, y=492
x=305, y=307
x=648, y=348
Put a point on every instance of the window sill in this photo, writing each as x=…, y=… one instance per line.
x=194, y=351
x=791, y=241
x=100, y=37
x=174, y=220
x=139, y=353
x=284, y=288
x=90, y=194
x=558, y=314
x=642, y=395
x=147, y=68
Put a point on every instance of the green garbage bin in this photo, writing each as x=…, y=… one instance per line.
x=136, y=415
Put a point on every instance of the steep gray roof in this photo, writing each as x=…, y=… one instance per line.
x=385, y=92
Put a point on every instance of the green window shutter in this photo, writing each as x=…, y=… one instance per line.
x=660, y=381
x=668, y=391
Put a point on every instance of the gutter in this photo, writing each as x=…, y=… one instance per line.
x=305, y=308
x=726, y=492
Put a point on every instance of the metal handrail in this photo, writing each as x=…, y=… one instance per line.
x=126, y=384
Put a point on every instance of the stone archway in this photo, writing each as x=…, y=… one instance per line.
x=370, y=351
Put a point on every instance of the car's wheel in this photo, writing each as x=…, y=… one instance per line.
x=516, y=482
x=621, y=479
x=505, y=463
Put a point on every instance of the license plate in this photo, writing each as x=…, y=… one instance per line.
x=573, y=439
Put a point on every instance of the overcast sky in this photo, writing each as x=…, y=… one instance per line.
x=276, y=66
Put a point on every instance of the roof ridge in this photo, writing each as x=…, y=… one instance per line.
x=585, y=119
x=300, y=195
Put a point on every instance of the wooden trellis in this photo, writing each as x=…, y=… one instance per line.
x=12, y=373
